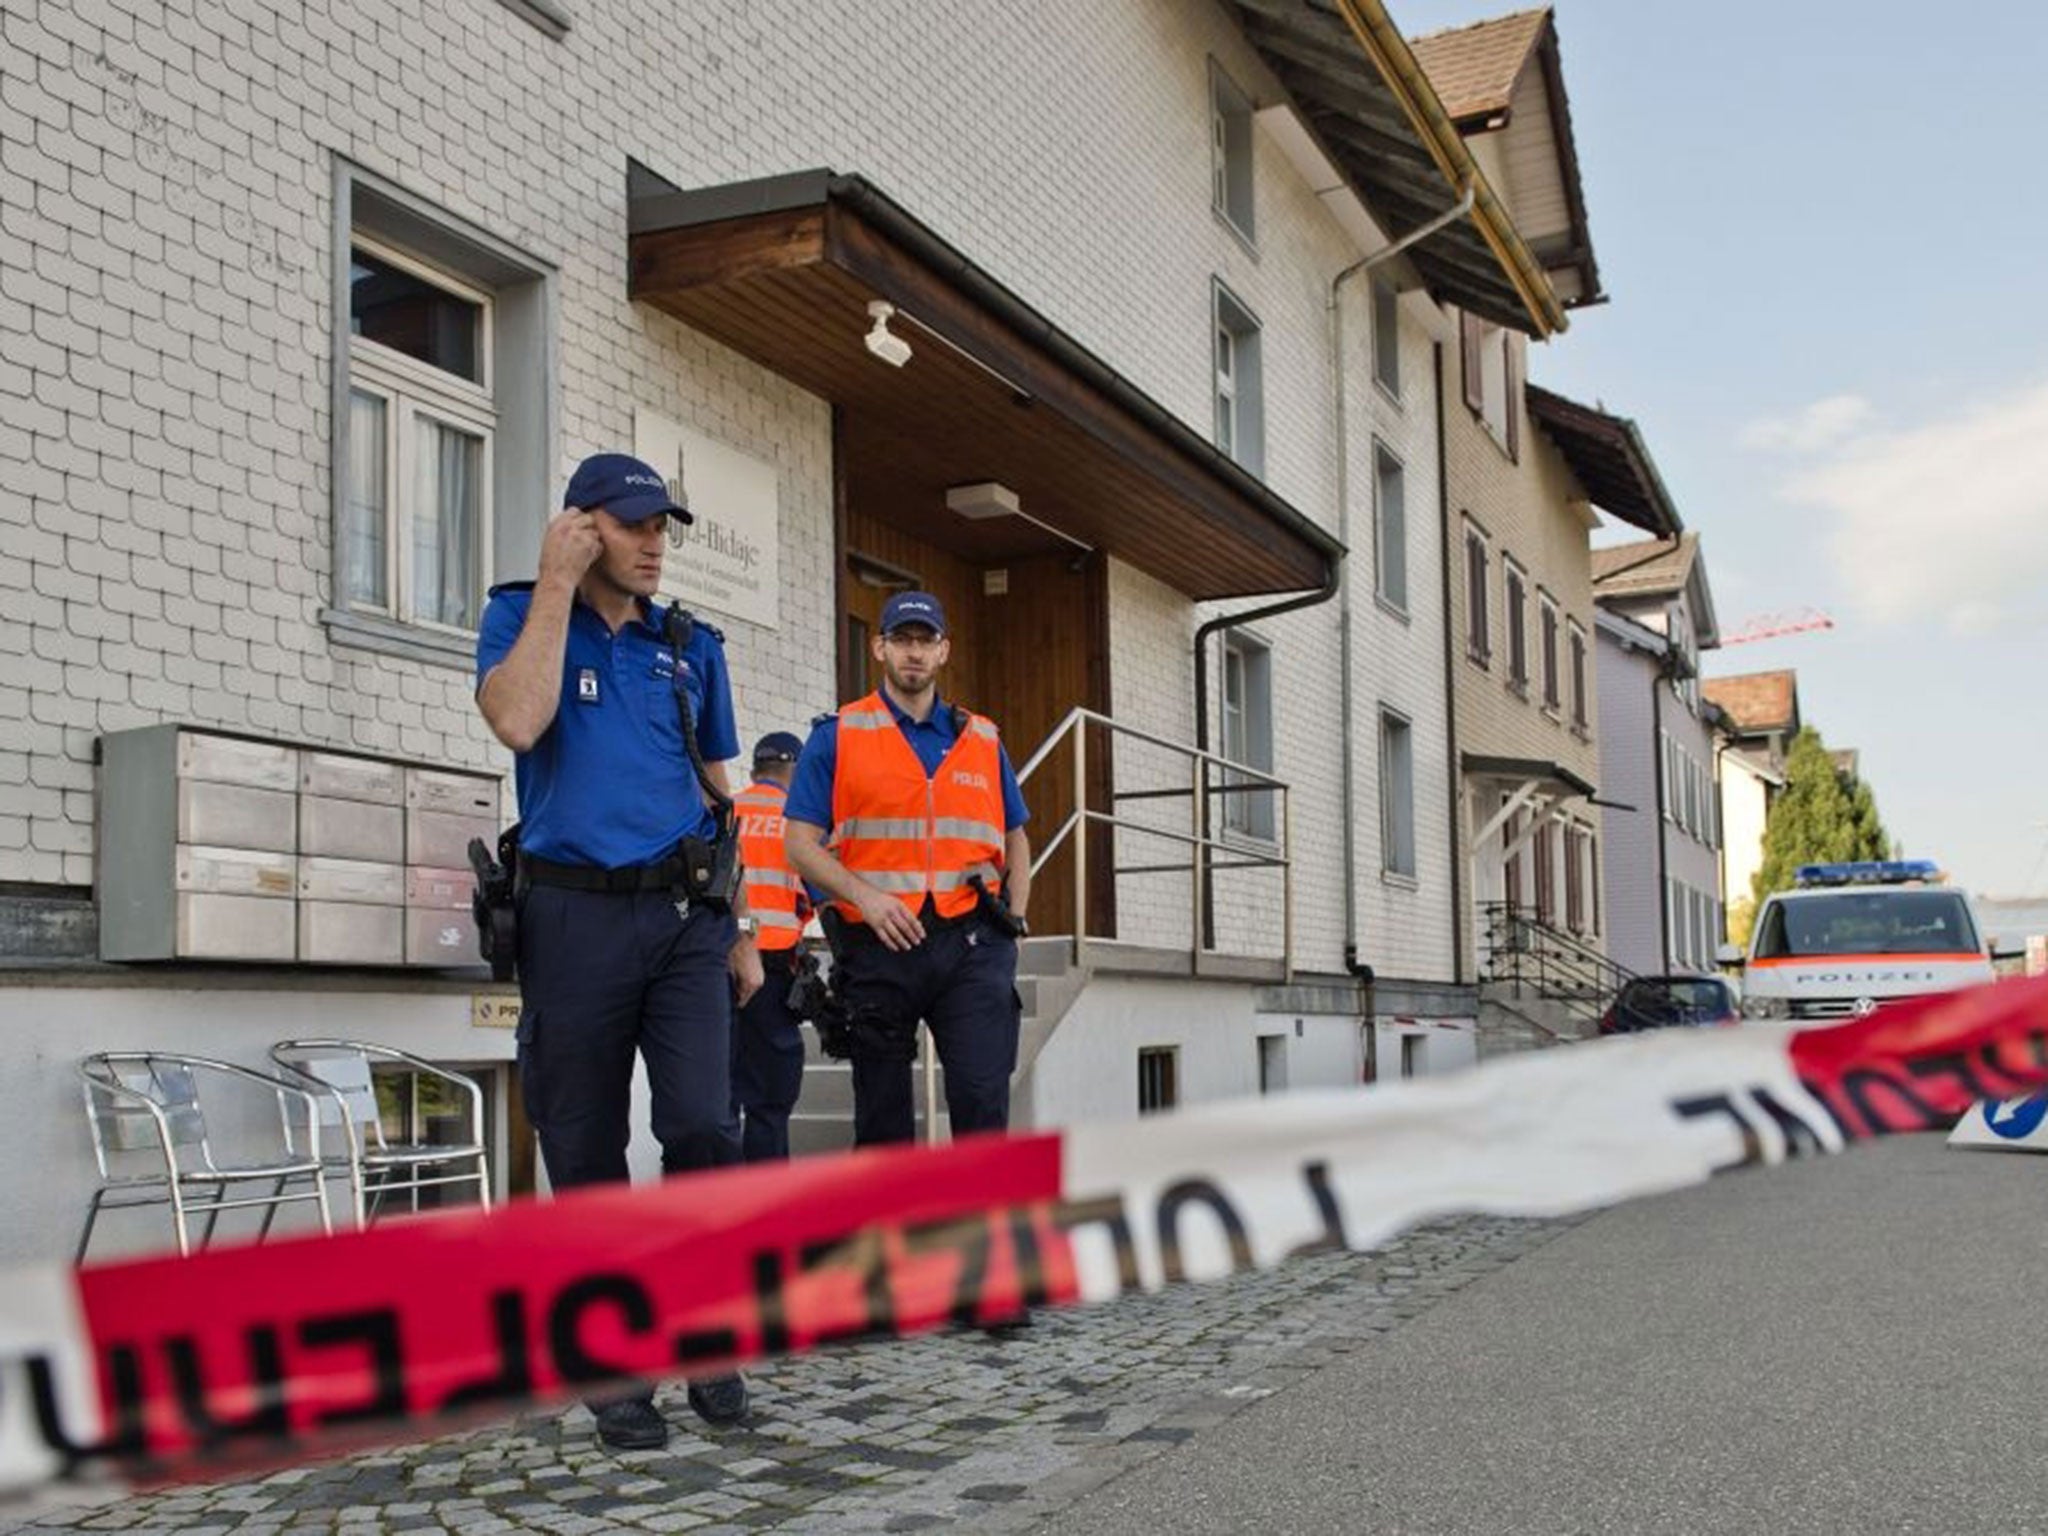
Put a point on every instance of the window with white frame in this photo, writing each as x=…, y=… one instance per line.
x=1390, y=527
x=1158, y=1078
x=1240, y=409
x=1546, y=625
x=1491, y=378
x=1397, y=795
x=1478, y=625
x=422, y=418
x=1230, y=151
x=445, y=432
x=1516, y=618
x=1386, y=336
x=1247, y=734
x=1576, y=646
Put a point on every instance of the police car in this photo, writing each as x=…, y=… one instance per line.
x=1849, y=938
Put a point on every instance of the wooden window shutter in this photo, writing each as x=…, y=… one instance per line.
x=1470, y=335
x=1511, y=371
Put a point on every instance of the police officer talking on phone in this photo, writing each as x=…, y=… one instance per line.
x=930, y=868
x=593, y=686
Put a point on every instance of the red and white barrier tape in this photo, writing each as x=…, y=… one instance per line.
x=169, y=1368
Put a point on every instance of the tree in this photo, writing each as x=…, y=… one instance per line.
x=1823, y=816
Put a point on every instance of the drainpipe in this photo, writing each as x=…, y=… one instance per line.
x=1457, y=778
x=1347, y=764
x=1657, y=680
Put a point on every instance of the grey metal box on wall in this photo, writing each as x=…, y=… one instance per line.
x=196, y=837
x=351, y=933
x=221, y=847
x=440, y=936
x=351, y=807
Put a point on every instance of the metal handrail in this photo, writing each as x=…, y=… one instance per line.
x=1525, y=950
x=1201, y=865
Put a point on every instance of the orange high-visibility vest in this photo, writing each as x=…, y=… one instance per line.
x=912, y=835
x=774, y=893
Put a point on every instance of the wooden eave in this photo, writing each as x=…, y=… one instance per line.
x=783, y=272
x=1372, y=140
x=1609, y=458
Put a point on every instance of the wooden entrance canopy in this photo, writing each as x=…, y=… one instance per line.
x=783, y=271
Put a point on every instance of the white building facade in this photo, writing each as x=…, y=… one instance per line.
x=309, y=311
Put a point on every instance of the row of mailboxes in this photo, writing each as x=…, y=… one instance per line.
x=223, y=848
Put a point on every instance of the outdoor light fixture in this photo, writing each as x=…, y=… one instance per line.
x=883, y=342
x=986, y=499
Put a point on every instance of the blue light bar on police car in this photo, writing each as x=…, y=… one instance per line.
x=1867, y=872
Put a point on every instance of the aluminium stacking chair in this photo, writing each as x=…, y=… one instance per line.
x=342, y=1076
x=147, y=1111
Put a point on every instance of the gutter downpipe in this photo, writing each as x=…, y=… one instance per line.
x=1658, y=678
x=1396, y=62
x=1457, y=775
x=1347, y=762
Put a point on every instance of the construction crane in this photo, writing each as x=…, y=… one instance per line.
x=1769, y=626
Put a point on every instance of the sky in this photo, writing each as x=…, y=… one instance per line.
x=1821, y=226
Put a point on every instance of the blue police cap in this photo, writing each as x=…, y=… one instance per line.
x=907, y=608
x=628, y=488
x=777, y=747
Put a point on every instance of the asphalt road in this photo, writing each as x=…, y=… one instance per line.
x=1855, y=1343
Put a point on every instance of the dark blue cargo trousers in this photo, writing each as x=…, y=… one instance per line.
x=603, y=977
x=962, y=982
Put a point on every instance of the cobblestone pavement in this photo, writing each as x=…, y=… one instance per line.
x=959, y=1429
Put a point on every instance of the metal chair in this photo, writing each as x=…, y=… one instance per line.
x=341, y=1073
x=150, y=1138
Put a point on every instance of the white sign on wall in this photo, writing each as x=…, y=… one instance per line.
x=726, y=561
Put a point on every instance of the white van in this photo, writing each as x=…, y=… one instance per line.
x=1851, y=937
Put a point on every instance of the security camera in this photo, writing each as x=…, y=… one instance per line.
x=884, y=343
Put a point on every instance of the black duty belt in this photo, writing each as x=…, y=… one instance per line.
x=668, y=875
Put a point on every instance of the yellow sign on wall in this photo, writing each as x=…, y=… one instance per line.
x=494, y=1010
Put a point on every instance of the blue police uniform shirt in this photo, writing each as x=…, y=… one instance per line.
x=608, y=783
x=810, y=794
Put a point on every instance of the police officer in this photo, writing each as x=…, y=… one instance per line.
x=584, y=678
x=767, y=1044
x=919, y=801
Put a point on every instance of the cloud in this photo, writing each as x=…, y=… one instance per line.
x=1820, y=425
x=1945, y=522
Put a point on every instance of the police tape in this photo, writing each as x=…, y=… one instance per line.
x=169, y=1369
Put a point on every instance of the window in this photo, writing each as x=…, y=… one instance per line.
x=1547, y=623
x=1158, y=1078
x=1390, y=527
x=1247, y=733
x=1477, y=628
x=415, y=1109
x=1240, y=415
x=1492, y=385
x=1546, y=872
x=421, y=422
x=444, y=424
x=1397, y=795
x=1230, y=151
x=1669, y=793
x=1272, y=1063
x=1578, y=666
x=1386, y=336
x=1517, y=625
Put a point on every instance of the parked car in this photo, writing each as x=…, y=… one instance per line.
x=1662, y=1002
